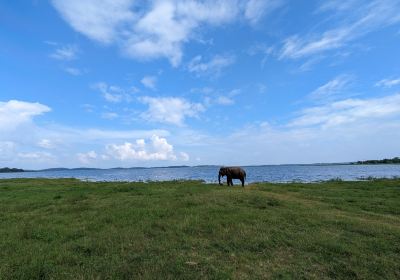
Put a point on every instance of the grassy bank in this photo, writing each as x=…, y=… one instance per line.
x=67, y=229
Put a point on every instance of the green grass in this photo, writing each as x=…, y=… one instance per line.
x=68, y=229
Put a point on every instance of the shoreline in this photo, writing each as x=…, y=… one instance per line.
x=236, y=184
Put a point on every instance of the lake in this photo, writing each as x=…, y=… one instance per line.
x=269, y=173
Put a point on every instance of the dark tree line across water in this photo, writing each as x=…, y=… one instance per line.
x=380, y=161
x=9, y=170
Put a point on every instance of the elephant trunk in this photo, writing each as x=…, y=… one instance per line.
x=219, y=178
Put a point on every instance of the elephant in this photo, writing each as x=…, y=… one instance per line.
x=232, y=173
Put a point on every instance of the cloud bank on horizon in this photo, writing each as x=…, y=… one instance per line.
x=163, y=82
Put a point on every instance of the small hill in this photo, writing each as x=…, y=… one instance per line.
x=10, y=170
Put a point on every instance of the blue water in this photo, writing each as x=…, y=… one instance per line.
x=273, y=173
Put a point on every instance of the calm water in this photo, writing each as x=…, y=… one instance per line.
x=275, y=173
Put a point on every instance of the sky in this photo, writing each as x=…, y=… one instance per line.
x=124, y=83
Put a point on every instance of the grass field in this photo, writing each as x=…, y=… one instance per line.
x=68, y=229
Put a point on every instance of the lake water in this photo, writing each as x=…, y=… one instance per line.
x=270, y=173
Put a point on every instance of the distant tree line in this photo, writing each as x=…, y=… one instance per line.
x=380, y=161
x=9, y=170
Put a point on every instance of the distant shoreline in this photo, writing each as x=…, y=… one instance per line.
x=395, y=160
x=10, y=170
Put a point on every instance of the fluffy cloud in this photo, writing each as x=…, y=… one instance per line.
x=158, y=28
x=157, y=149
x=212, y=67
x=100, y=20
x=149, y=82
x=170, y=110
x=17, y=120
x=14, y=113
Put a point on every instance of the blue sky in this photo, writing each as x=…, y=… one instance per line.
x=165, y=82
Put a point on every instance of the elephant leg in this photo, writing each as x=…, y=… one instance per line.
x=242, y=180
x=229, y=180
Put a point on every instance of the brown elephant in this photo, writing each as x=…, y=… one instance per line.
x=232, y=173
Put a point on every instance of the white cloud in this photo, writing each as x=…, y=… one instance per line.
x=93, y=135
x=309, y=63
x=349, y=129
x=296, y=47
x=14, y=113
x=87, y=158
x=149, y=82
x=351, y=141
x=331, y=89
x=109, y=115
x=363, y=19
x=16, y=150
x=170, y=110
x=35, y=156
x=112, y=94
x=89, y=108
x=337, y=5
x=184, y=156
x=73, y=71
x=100, y=20
x=260, y=48
x=68, y=52
x=46, y=144
x=212, y=67
x=224, y=100
x=348, y=111
x=159, y=33
x=157, y=149
x=256, y=9
x=155, y=29
x=346, y=130
x=213, y=96
x=7, y=150
x=388, y=83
